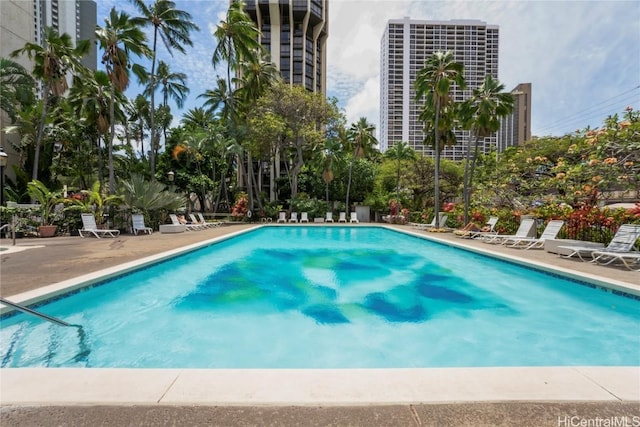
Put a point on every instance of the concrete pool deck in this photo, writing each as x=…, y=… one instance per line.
x=451, y=396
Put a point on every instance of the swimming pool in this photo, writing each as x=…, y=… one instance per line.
x=330, y=297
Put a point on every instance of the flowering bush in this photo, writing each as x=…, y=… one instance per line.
x=241, y=207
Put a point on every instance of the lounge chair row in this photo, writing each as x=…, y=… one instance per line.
x=620, y=249
x=198, y=223
x=90, y=228
x=304, y=217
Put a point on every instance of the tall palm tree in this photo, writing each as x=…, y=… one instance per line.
x=220, y=100
x=399, y=152
x=16, y=87
x=52, y=62
x=237, y=38
x=329, y=158
x=139, y=112
x=434, y=82
x=174, y=27
x=481, y=113
x=90, y=98
x=172, y=85
x=362, y=140
x=119, y=38
x=257, y=75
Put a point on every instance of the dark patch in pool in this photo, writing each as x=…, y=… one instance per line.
x=442, y=293
x=325, y=314
x=378, y=304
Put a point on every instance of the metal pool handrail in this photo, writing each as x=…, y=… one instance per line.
x=36, y=313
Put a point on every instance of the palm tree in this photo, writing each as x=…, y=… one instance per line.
x=258, y=74
x=173, y=85
x=119, y=38
x=174, y=27
x=361, y=138
x=328, y=158
x=16, y=87
x=139, y=112
x=434, y=82
x=89, y=97
x=220, y=100
x=482, y=113
x=197, y=118
x=52, y=62
x=237, y=38
x=400, y=151
x=237, y=41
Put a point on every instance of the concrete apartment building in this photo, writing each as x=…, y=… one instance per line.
x=23, y=22
x=405, y=46
x=295, y=32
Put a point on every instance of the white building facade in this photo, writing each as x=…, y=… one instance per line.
x=405, y=46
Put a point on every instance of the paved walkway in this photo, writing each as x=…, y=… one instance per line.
x=35, y=263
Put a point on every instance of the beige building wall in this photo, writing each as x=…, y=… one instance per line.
x=16, y=29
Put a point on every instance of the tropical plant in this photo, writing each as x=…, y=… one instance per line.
x=434, y=83
x=482, y=113
x=52, y=61
x=94, y=201
x=145, y=196
x=16, y=87
x=48, y=200
x=174, y=27
x=119, y=38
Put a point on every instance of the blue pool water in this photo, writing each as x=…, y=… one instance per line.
x=329, y=297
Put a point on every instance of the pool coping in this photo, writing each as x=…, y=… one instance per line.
x=241, y=387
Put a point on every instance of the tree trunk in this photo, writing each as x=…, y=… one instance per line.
x=466, y=179
x=152, y=152
x=40, y=133
x=112, y=177
x=436, y=180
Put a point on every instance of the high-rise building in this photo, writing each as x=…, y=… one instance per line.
x=515, y=129
x=294, y=32
x=406, y=44
x=74, y=17
x=23, y=22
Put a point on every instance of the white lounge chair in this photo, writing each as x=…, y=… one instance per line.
x=196, y=222
x=523, y=231
x=89, y=226
x=294, y=217
x=631, y=260
x=137, y=223
x=329, y=217
x=204, y=221
x=620, y=248
x=282, y=217
x=442, y=221
x=189, y=227
x=354, y=217
x=474, y=234
x=343, y=217
x=550, y=232
x=304, y=217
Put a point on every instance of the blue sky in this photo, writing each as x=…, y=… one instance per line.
x=581, y=57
